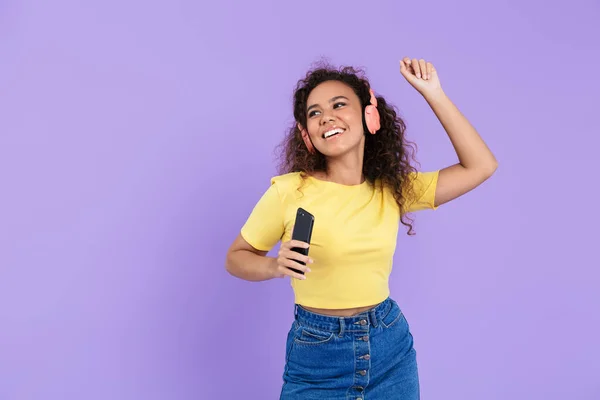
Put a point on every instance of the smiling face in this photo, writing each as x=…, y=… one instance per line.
x=334, y=119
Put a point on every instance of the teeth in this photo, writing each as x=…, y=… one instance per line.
x=332, y=132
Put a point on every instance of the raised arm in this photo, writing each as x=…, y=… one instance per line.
x=476, y=161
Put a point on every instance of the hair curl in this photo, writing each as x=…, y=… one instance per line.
x=387, y=154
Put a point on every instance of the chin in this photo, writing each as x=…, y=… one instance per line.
x=338, y=151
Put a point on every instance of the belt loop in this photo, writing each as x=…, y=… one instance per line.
x=374, y=318
x=295, y=310
x=342, y=326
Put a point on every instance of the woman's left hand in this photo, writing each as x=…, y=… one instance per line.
x=422, y=75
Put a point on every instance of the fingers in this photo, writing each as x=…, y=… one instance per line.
x=418, y=67
x=294, y=255
x=288, y=259
x=404, y=70
x=407, y=65
x=423, y=68
x=402, y=66
x=293, y=269
x=288, y=249
x=287, y=266
x=295, y=243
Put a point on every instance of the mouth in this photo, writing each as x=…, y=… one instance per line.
x=333, y=132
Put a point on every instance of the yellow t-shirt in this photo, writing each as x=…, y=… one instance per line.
x=353, y=240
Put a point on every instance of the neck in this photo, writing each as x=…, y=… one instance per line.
x=346, y=169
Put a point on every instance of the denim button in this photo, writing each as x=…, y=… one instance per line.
x=367, y=356
x=363, y=372
x=363, y=322
x=365, y=338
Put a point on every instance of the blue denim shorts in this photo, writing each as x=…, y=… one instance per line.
x=369, y=356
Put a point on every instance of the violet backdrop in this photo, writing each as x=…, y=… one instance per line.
x=136, y=136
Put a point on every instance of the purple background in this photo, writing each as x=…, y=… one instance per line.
x=135, y=138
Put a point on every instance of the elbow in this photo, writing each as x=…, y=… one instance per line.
x=483, y=172
x=489, y=168
x=230, y=263
x=493, y=167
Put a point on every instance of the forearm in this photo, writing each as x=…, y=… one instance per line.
x=470, y=148
x=250, y=266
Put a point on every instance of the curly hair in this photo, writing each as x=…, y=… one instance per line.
x=387, y=154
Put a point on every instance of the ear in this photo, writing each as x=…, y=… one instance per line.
x=306, y=139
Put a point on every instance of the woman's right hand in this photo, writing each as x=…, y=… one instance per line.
x=288, y=258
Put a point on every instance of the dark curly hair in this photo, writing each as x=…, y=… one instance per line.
x=387, y=154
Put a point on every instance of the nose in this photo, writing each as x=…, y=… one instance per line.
x=325, y=118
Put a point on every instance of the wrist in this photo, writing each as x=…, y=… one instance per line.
x=435, y=96
x=272, y=268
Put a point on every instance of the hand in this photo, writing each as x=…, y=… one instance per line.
x=421, y=75
x=286, y=259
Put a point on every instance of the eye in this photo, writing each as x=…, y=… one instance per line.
x=335, y=105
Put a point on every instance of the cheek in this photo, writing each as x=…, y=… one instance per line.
x=353, y=119
x=313, y=127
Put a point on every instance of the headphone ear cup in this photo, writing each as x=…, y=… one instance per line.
x=372, y=119
x=307, y=142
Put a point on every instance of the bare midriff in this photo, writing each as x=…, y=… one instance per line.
x=344, y=312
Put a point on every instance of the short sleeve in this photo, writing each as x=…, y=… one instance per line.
x=265, y=226
x=424, y=186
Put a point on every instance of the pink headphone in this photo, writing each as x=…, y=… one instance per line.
x=372, y=121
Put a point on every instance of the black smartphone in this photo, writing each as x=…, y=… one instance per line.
x=302, y=232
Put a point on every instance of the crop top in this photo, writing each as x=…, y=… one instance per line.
x=354, y=234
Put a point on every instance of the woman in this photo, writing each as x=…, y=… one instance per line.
x=347, y=162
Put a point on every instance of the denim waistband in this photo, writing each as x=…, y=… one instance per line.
x=355, y=323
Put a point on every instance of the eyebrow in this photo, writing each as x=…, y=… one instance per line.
x=331, y=101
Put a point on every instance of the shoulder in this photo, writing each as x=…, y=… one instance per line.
x=287, y=182
x=290, y=186
x=423, y=177
x=291, y=178
x=421, y=194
